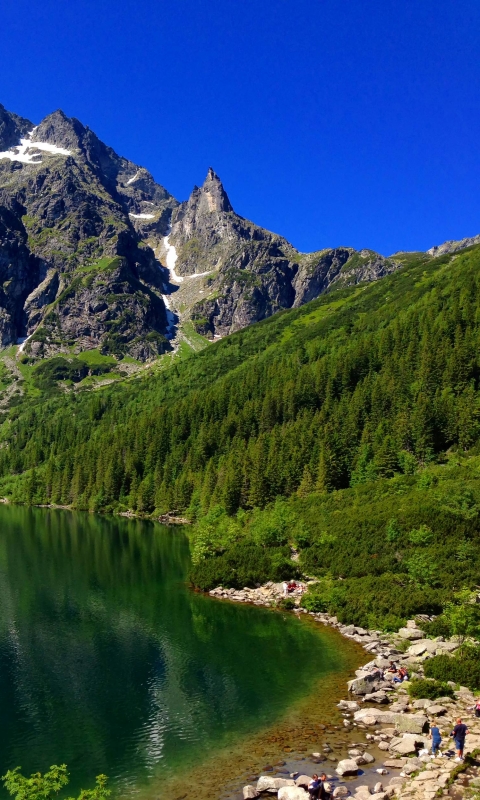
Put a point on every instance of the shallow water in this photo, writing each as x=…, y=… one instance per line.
x=109, y=663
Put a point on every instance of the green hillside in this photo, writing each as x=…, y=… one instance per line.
x=362, y=407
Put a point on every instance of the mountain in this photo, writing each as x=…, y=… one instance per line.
x=75, y=272
x=247, y=272
x=94, y=254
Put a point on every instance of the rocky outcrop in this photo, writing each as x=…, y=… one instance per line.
x=251, y=273
x=453, y=246
x=69, y=206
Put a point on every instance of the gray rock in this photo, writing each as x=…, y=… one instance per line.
x=340, y=791
x=411, y=633
x=292, y=793
x=411, y=723
x=267, y=783
x=348, y=705
x=407, y=744
x=249, y=792
x=376, y=697
x=347, y=767
x=436, y=710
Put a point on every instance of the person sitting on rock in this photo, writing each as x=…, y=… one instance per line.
x=291, y=586
x=314, y=787
x=392, y=667
x=436, y=738
x=459, y=733
x=402, y=675
x=324, y=794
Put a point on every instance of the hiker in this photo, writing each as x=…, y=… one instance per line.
x=436, y=738
x=314, y=787
x=459, y=733
x=392, y=667
x=324, y=795
x=292, y=586
x=285, y=588
x=477, y=708
x=402, y=675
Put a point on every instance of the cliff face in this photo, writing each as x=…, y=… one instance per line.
x=249, y=272
x=73, y=268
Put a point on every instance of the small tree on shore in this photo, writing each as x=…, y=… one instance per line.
x=48, y=785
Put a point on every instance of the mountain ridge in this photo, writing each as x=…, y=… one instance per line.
x=88, y=239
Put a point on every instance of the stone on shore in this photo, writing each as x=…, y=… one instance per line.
x=340, y=791
x=407, y=745
x=292, y=793
x=347, y=767
x=411, y=633
x=249, y=792
x=411, y=723
x=436, y=710
x=376, y=697
x=365, y=684
x=267, y=783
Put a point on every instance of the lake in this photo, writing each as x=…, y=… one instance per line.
x=110, y=663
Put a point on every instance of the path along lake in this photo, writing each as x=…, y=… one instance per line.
x=110, y=663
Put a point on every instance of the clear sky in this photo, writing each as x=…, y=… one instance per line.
x=332, y=122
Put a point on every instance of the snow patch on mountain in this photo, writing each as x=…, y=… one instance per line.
x=25, y=151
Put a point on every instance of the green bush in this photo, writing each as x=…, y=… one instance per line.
x=286, y=603
x=244, y=564
x=429, y=689
x=462, y=668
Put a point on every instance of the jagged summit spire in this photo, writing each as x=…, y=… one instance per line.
x=212, y=196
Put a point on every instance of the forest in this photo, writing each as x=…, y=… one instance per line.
x=349, y=427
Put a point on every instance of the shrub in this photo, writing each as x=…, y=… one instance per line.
x=244, y=564
x=429, y=689
x=286, y=603
x=462, y=668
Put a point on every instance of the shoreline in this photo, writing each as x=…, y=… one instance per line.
x=399, y=730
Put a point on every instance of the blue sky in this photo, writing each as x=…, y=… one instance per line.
x=331, y=122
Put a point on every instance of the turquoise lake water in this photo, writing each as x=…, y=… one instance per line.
x=110, y=663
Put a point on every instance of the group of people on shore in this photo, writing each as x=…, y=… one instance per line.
x=458, y=734
x=292, y=587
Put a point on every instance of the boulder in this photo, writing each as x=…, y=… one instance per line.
x=376, y=697
x=347, y=767
x=417, y=649
x=340, y=791
x=411, y=723
x=394, y=763
x=362, y=793
x=379, y=795
x=382, y=771
x=399, y=707
x=383, y=746
x=436, y=710
x=365, y=684
x=406, y=745
x=249, y=792
x=292, y=793
x=411, y=633
x=303, y=780
x=447, y=647
x=267, y=783
x=421, y=703
x=368, y=758
x=348, y=705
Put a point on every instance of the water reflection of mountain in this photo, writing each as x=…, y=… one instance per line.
x=109, y=663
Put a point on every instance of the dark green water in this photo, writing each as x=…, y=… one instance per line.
x=109, y=663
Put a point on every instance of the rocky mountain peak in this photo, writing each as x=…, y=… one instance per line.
x=217, y=197
x=12, y=128
x=60, y=130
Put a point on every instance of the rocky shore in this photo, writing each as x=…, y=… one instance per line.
x=381, y=713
